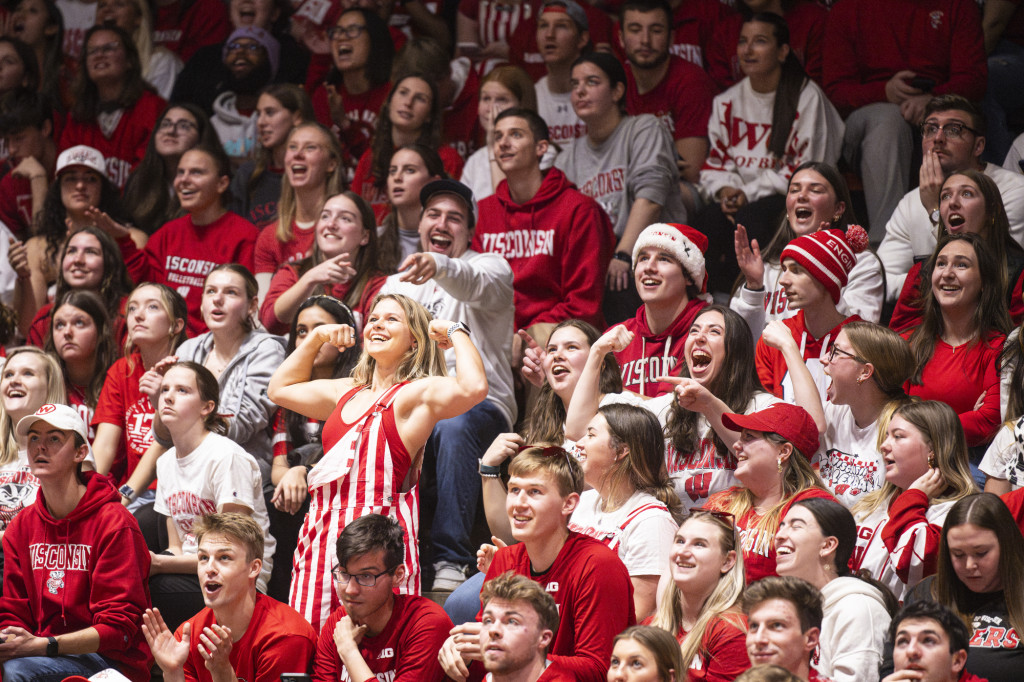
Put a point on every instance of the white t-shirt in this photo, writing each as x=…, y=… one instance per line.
x=216, y=473
x=641, y=530
x=1004, y=459
x=18, y=488
x=849, y=464
x=564, y=125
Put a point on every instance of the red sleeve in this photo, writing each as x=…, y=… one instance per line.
x=968, y=66
x=266, y=258
x=1014, y=501
x=370, y=292
x=119, y=583
x=282, y=281
x=813, y=49
x=766, y=358
x=588, y=232
x=40, y=326
x=452, y=161
x=840, y=64
x=981, y=425
x=289, y=652
x=15, y=608
x=362, y=179
x=418, y=645
x=906, y=315
x=245, y=252
x=326, y=662
x=912, y=541
x=143, y=265
x=110, y=408
x=726, y=645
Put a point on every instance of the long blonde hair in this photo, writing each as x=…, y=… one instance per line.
x=55, y=393
x=286, y=207
x=424, y=359
x=724, y=599
x=940, y=428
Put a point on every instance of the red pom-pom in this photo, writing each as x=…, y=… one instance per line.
x=857, y=238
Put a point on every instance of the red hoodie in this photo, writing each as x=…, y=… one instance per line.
x=654, y=355
x=89, y=569
x=558, y=243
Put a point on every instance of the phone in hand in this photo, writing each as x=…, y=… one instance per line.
x=922, y=83
x=295, y=677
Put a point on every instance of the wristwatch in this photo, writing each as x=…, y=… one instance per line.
x=624, y=257
x=934, y=216
x=51, y=647
x=488, y=471
x=457, y=327
x=127, y=492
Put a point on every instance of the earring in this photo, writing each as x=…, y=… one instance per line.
x=778, y=463
x=860, y=380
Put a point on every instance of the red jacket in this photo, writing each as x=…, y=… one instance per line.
x=558, y=244
x=652, y=355
x=89, y=569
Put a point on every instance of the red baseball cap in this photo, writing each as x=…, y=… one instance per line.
x=789, y=421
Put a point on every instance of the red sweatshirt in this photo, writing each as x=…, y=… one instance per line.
x=771, y=365
x=361, y=111
x=591, y=587
x=870, y=40
x=558, y=244
x=127, y=143
x=654, y=355
x=89, y=569
x=185, y=26
x=181, y=253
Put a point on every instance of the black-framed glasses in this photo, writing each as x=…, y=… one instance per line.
x=952, y=131
x=362, y=579
x=351, y=32
x=837, y=349
x=179, y=126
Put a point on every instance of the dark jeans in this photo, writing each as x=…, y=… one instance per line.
x=46, y=669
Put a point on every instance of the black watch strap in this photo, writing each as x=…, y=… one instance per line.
x=51, y=647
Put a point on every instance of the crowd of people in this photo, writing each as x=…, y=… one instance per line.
x=517, y=340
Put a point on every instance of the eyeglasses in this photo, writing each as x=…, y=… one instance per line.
x=837, y=349
x=952, y=131
x=363, y=579
x=109, y=48
x=180, y=126
x=251, y=48
x=351, y=32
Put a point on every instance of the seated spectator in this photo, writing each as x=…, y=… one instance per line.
x=456, y=283
x=969, y=202
x=160, y=66
x=631, y=505
x=957, y=344
x=89, y=261
x=706, y=572
x=979, y=554
x=675, y=90
x=183, y=27
x=240, y=633
x=124, y=416
x=115, y=110
x=867, y=370
x=256, y=186
x=635, y=150
x=952, y=141
x=526, y=46
x=746, y=179
x=410, y=114
x=814, y=543
x=562, y=36
x=482, y=32
x=30, y=379
x=885, y=60
x=670, y=276
x=344, y=263
x=21, y=73
x=644, y=648
x=403, y=365
x=26, y=124
x=203, y=473
x=205, y=71
x=46, y=38
x=926, y=471
x=180, y=128
x=241, y=359
x=82, y=337
x=540, y=223
x=505, y=87
x=815, y=270
x=375, y=631
x=312, y=174
x=80, y=611
x=350, y=98
x=930, y=641
x=817, y=199
x=412, y=168
x=774, y=472
x=185, y=249
x=252, y=57
x=784, y=617
x=806, y=21
x=594, y=595
x=519, y=620
x=80, y=188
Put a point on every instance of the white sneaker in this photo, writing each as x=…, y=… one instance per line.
x=448, y=576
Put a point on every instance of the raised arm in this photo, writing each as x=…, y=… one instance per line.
x=777, y=335
x=586, y=397
x=291, y=388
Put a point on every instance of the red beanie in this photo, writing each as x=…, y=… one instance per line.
x=828, y=255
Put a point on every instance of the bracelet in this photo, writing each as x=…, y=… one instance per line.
x=624, y=257
x=488, y=471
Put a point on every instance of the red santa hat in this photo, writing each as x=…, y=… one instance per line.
x=682, y=242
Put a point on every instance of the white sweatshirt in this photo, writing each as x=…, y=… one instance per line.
x=853, y=629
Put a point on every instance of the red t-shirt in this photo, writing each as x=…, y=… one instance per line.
x=271, y=253
x=361, y=111
x=591, y=587
x=287, y=276
x=723, y=649
x=404, y=651
x=364, y=182
x=183, y=30
x=126, y=145
x=278, y=640
x=682, y=100
x=122, y=404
